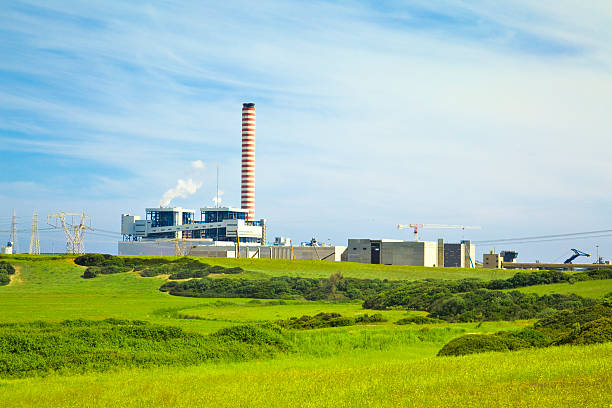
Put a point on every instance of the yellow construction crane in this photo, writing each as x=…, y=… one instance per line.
x=415, y=227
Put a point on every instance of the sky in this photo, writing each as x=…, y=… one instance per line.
x=369, y=114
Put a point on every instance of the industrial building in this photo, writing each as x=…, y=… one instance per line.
x=214, y=223
x=216, y=231
x=416, y=253
x=215, y=226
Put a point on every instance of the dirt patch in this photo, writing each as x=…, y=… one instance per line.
x=16, y=277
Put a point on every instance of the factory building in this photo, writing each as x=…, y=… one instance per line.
x=215, y=223
x=213, y=227
x=416, y=253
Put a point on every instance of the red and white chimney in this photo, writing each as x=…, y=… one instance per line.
x=248, y=159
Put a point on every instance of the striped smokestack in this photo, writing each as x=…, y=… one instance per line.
x=248, y=159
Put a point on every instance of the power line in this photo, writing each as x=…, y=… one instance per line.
x=545, y=238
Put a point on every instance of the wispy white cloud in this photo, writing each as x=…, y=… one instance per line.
x=459, y=109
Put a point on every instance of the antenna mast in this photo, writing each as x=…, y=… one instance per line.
x=14, y=232
x=34, y=241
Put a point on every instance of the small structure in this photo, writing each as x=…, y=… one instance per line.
x=492, y=260
x=7, y=249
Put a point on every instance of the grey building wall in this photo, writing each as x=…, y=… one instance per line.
x=393, y=252
x=454, y=255
x=327, y=253
x=359, y=250
x=403, y=253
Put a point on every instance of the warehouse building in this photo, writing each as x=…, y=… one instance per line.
x=416, y=253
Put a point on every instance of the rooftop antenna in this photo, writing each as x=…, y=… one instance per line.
x=34, y=241
x=14, y=232
x=217, y=199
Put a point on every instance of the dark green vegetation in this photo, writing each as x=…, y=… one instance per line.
x=336, y=288
x=322, y=320
x=79, y=346
x=589, y=325
x=181, y=268
x=6, y=269
x=464, y=300
x=419, y=320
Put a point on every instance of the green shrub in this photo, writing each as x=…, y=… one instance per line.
x=375, y=318
x=80, y=346
x=4, y=279
x=6, y=268
x=473, y=343
x=91, y=259
x=93, y=271
x=596, y=331
x=318, y=321
x=251, y=334
x=419, y=320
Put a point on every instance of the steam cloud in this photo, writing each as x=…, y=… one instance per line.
x=217, y=200
x=184, y=188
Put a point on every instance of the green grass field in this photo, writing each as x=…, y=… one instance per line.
x=593, y=289
x=379, y=364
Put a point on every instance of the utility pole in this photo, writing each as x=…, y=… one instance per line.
x=34, y=241
x=14, y=232
x=74, y=229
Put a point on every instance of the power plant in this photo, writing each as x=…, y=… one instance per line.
x=226, y=231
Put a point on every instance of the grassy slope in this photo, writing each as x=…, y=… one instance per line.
x=560, y=376
x=374, y=365
x=322, y=269
x=593, y=289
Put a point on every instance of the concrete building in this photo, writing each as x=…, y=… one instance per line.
x=416, y=253
x=210, y=248
x=492, y=261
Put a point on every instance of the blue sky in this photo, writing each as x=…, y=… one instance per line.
x=369, y=114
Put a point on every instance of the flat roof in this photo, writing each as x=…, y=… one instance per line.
x=174, y=209
x=224, y=209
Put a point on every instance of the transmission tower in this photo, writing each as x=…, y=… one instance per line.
x=74, y=226
x=34, y=241
x=14, y=232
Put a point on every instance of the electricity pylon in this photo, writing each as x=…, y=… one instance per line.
x=34, y=241
x=74, y=231
x=14, y=233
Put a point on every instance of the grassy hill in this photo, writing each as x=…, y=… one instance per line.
x=378, y=364
x=593, y=289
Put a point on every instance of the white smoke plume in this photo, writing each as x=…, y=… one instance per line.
x=217, y=200
x=184, y=188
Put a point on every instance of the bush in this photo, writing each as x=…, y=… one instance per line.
x=319, y=321
x=583, y=326
x=81, y=346
x=375, y=318
x=418, y=320
x=248, y=333
x=473, y=343
x=596, y=331
x=4, y=279
x=91, y=259
x=6, y=268
x=93, y=271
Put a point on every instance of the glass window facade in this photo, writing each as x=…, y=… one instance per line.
x=162, y=218
x=218, y=216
